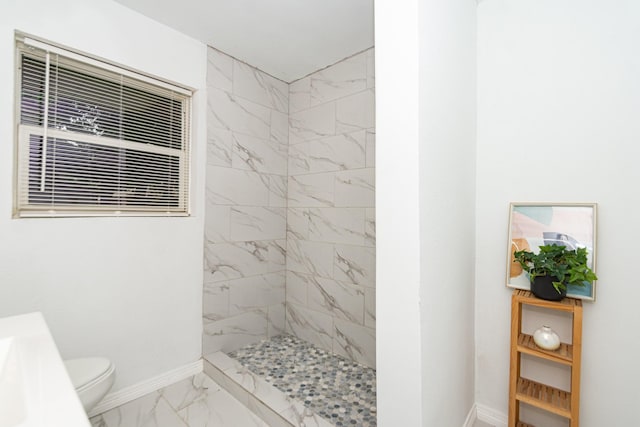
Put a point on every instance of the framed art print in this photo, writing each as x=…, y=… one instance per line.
x=532, y=225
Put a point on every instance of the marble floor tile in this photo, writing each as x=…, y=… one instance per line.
x=189, y=391
x=151, y=410
x=319, y=389
x=220, y=410
x=194, y=402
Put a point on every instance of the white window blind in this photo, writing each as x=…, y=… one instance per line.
x=96, y=141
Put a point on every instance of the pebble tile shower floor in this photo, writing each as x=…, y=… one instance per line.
x=341, y=391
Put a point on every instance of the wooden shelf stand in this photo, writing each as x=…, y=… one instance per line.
x=560, y=402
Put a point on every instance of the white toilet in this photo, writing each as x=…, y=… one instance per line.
x=92, y=378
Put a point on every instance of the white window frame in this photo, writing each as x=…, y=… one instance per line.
x=22, y=206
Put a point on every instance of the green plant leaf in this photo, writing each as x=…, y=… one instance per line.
x=567, y=265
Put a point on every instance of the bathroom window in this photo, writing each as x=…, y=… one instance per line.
x=97, y=139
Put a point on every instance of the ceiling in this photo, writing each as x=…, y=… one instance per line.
x=288, y=39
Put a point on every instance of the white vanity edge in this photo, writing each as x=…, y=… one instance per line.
x=50, y=398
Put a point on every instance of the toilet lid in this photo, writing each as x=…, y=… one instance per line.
x=83, y=371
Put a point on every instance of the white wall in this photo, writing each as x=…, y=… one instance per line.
x=425, y=118
x=447, y=213
x=398, y=348
x=126, y=288
x=558, y=105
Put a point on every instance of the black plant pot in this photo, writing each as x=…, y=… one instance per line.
x=542, y=287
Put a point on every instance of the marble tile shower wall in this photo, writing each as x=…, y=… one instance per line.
x=245, y=224
x=290, y=208
x=330, y=274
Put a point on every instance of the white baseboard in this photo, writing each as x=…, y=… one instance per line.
x=491, y=416
x=471, y=417
x=127, y=394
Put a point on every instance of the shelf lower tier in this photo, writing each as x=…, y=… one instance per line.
x=562, y=355
x=545, y=397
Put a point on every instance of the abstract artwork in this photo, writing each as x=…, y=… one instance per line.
x=532, y=225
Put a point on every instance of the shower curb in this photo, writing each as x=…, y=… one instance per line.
x=262, y=398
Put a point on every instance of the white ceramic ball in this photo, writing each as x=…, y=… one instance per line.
x=546, y=338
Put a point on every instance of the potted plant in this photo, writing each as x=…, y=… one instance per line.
x=554, y=268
